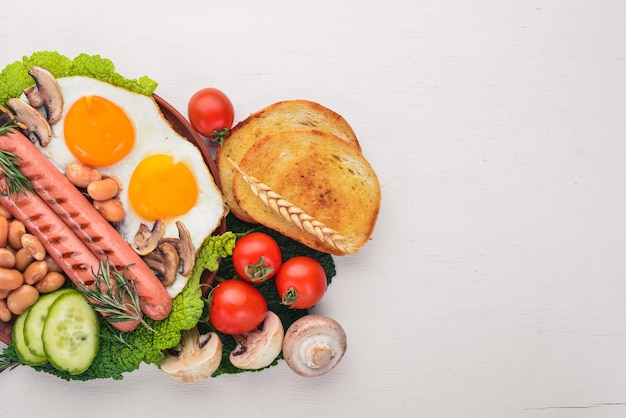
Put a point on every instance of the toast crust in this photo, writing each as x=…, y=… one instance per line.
x=282, y=116
x=319, y=173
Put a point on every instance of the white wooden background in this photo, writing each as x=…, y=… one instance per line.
x=495, y=283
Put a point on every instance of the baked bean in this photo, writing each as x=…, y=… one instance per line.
x=33, y=246
x=4, y=293
x=52, y=265
x=50, y=282
x=104, y=189
x=35, y=271
x=5, y=313
x=4, y=230
x=80, y=175
x=7, y=258
x=22, y=298
x=112, y=210
x=23, y=258
x=4, y=212
x=10, y=279
x=15, y=231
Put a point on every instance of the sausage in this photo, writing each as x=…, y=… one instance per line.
x=79, y=214
x=69, y=252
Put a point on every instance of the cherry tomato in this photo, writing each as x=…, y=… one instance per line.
x=256, y=257
x=210, y=111
x=236, y=307
x=301, y=282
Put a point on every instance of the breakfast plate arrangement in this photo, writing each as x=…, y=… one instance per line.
x=124, y=240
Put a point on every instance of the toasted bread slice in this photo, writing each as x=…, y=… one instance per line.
x=281, y=116
x=319, y=174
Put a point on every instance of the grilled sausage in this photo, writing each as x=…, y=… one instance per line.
x=86, y=222
x=69, y=252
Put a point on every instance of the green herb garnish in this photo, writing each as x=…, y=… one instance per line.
x=114, y=295
x=7, y=362
x=15, y=181
x=7, y=128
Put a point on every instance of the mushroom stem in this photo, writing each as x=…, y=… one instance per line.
x=318, y=354
x=195, y=358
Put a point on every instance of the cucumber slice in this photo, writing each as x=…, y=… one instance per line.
x=21, y=348
x=33, y=324
x=70, y=333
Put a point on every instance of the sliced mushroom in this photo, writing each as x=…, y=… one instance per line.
x=185, y=248
x=195, y=358
x=32, y=120
x=46, y=93
x=147, y=240
x=164, y=261
x=260, y=347
x=314, y=345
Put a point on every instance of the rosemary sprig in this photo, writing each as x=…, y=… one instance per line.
x=115, y=335
x=15, y=181
x=114, y=295
x=7, y=127
x=7, y=363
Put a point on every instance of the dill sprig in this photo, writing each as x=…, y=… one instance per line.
x=114, y=295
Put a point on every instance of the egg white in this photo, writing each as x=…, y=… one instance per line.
x=153, y=135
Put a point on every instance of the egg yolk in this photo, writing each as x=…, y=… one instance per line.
x=161, y=188
x=98, y=132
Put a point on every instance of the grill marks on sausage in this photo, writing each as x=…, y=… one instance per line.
x=80, y=219
x=56, y=240
x=48, y=234
x=61, y=205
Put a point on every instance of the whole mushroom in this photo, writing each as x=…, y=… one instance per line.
x=195, y=358
x=260, y=347
x=314, y=345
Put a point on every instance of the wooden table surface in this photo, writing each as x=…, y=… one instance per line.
x=495, y=282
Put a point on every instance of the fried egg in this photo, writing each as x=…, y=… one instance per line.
x=124, y=135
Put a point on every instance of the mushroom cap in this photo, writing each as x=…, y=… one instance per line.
x=47, y=93
x=314, y=345
x=32, y=119
x=260, y=347
x=164, y=261
x=146, y=239
x=196, y=357
x=184, y=247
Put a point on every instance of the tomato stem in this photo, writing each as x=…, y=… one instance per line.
x=219, y=135
x=249, y=231
x=289, y=297
x=258, y=272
